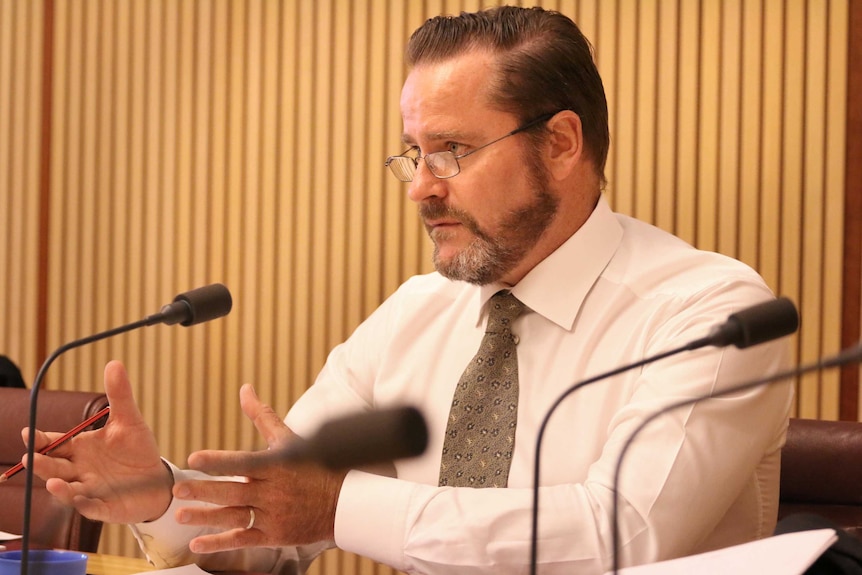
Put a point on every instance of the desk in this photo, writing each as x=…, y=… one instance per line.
x=100, y=564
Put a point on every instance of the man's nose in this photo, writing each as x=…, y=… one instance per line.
x=425, y=184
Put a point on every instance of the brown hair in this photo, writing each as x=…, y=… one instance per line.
x=545, y=64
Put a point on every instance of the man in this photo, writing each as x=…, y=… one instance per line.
x=505, y=122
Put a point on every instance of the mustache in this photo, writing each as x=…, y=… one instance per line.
x=435, y=209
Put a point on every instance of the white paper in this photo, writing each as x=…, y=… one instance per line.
x=787, y=554
x=184, y=570
x=8, y=536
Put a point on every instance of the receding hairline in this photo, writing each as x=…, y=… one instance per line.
x=493, y=86
x=485, y=93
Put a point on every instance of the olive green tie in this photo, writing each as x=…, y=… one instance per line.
x=480, y=434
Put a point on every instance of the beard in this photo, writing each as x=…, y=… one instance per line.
x=490, y=257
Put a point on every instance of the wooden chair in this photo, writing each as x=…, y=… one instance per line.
x=52, y=524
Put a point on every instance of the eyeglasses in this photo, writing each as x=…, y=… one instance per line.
x=445, y=165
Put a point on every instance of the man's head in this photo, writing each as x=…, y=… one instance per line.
x=544, y=64
x=499, y=157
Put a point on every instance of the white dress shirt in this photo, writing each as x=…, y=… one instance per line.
x=617, y=291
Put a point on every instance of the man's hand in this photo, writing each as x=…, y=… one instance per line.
x=293, y=504
x=113, y=474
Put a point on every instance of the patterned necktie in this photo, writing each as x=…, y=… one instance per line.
x=480, y=435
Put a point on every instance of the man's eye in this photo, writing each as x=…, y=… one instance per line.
x=455, y=148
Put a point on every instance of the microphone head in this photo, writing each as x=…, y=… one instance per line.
x=363, y=439
x=758, y=324
x=197, y=306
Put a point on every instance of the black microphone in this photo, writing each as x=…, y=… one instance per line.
x=849, y=355
x=753, y=325
x=363, y=439
x=188, y=308
x=757, y=324
x=196, y=306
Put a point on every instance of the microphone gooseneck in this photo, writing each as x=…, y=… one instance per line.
x=189, y=308
x=363, y=439
x=755, y=324
x=849, y=355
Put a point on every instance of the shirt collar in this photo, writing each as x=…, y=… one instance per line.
x=557, y=287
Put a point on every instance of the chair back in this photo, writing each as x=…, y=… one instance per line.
x=52, y=524
x=821, y=472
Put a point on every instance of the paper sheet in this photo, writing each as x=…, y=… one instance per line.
x=184, y=570
x=8, y=536
x=788, y=554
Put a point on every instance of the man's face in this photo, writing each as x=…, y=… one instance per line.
x=485, y=221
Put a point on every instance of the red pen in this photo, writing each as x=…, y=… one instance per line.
x=60, y=440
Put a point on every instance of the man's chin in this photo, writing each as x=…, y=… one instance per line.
x=444, y=258
x=456, y=269
x=449, y=247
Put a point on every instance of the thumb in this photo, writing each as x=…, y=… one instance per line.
x=265, y=419
x=118, y=388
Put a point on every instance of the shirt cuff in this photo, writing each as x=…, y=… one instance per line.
x=371, y=517
x=164, y=541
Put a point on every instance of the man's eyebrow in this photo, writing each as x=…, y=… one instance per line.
x=436, y=137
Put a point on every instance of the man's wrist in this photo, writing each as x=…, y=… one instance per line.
x=169, y=484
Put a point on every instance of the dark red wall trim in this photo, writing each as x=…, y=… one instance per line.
x=852, y=291
x=45, y=180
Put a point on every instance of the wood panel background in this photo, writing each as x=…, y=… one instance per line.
x=152, y=146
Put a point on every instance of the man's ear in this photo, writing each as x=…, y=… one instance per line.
x=565, y=144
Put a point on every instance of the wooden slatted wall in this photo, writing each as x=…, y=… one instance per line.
x=195, y=141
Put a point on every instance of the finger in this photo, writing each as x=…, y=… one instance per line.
x=70, y=494
x=218, y=492
x=91, y=508
x=51, y=466
x=61, y=490
x=265, y=419
x=225, y=541
x=42, y=438
x=233, y=517
x=118, y=388
x=231, y=463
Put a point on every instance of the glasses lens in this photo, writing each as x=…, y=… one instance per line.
x=403, y=167
x=442, y=164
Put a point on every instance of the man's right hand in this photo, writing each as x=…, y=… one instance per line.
x=113, y=474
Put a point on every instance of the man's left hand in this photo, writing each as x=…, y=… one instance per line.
x=292, y=503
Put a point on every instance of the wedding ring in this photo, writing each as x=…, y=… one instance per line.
x=251, y=518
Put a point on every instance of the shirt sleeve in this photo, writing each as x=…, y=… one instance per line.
x=166, y=543
x=679, y=479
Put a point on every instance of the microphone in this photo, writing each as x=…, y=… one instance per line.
x=188, y=308
x=849, y=355
x=196, y=306
x=756, y=324
x=363, y=439
x=753, y=325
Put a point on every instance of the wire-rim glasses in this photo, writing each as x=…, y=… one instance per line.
x=444, y=165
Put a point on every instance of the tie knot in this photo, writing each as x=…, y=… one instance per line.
x=505, y=308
